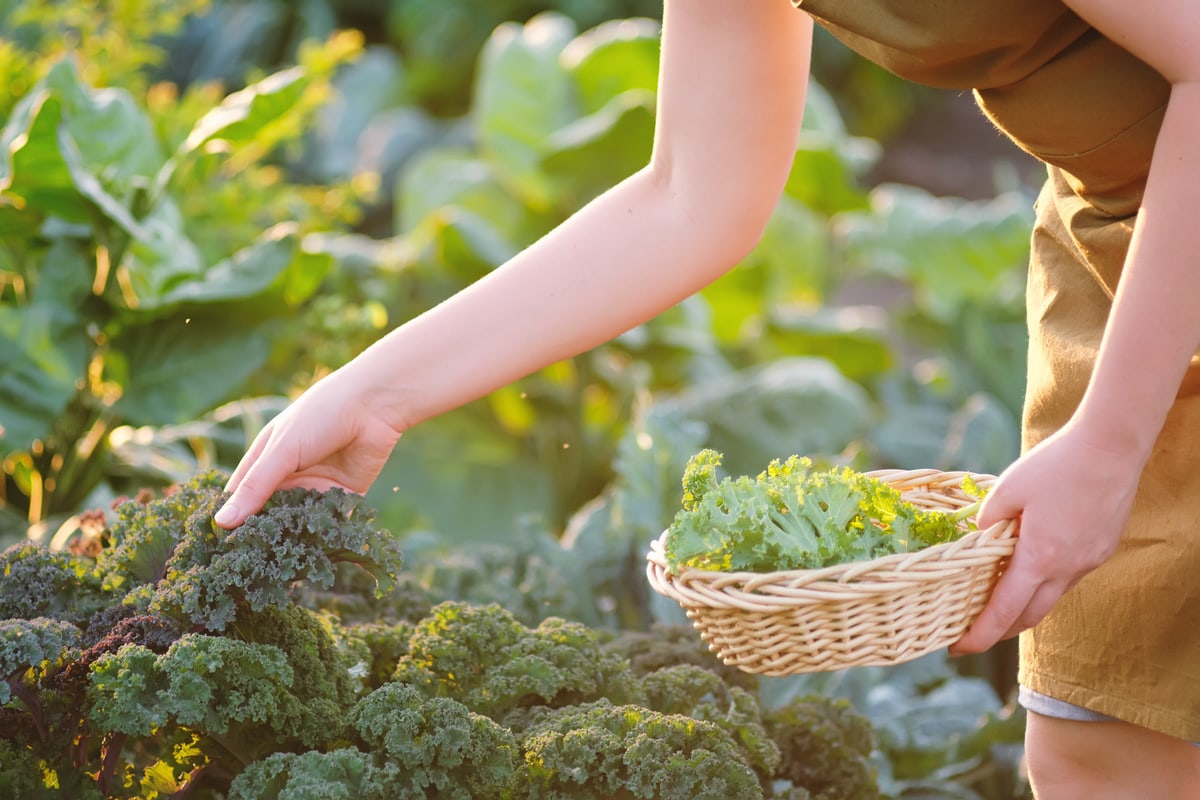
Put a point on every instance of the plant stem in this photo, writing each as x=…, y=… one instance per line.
x=110, y=758
x=966, y=511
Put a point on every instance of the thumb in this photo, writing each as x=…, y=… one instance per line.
x=999, y=505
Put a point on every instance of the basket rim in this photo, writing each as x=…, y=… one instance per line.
x=880, y=575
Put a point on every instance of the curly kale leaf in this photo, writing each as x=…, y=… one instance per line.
x=107, y=632
x=728, y=528
x=382, y=646
x=412, y=748
x=324, y=684
x=437, y=743
x=484, y=658
x=30, y=647
x=791, y=516
x=299, y=535
x=697, y=693
x=600, y=751
x=146, y=531
x=275, y=681
x=671, y=646
x=37, y=582
x=210, y=683
x=345, y=774
x=826, y=748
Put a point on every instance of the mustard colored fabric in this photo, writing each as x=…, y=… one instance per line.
x=1126, y=640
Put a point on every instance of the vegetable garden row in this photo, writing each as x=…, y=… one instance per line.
x=195, y=228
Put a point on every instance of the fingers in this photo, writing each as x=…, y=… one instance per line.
x=1004, y=608
x=257, y=476
x=1022, y=597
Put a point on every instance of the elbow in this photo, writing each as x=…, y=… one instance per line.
x=723, y=212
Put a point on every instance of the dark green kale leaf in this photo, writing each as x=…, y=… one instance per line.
x=409, y=748
x=484, y=658
x=30, y=647
x=37, y=582
x=343, y=774
x=826, y=748
x=277, y=681
x=211, y=683
x=323, y=686
x=437, y=744
x=299, y=535
x=147, y=530
x=697, y=693
x=599, y=751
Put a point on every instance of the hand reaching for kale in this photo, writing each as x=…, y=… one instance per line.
x=332, y=436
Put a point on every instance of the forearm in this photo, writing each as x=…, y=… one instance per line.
x=1154, y=326
x=632, y=253
x=731, y=93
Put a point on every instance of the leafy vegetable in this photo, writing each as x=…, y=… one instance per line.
x=437, y=744
x=697, y=693
x=600, y=750
x=414, y=749
x=665, y=646
x=35, y=582
x=199, y=574
x=282, y=685
x=345, y=774
x=792, y=516
x=27, y=647
x=484, y=658
x=826, y=748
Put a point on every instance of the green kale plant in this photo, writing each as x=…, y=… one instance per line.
x=599, y=750
x=826, y=748
x=165, y=653
x=186, y=667
x=484, y=658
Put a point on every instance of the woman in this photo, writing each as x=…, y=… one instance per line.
x=1108, y=94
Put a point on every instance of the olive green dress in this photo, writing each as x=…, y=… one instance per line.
x=1126, y=640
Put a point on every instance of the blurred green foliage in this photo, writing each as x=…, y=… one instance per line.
x=878, y=326
x=151, y=246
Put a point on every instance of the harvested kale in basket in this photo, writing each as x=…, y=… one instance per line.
x=792, y=516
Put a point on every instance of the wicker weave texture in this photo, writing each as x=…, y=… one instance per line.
x=877, y=612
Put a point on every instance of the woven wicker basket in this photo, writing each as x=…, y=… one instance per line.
x=878, y=612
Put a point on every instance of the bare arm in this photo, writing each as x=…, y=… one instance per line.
x=731, y=92
x=730, y=100
x=1153, y=331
